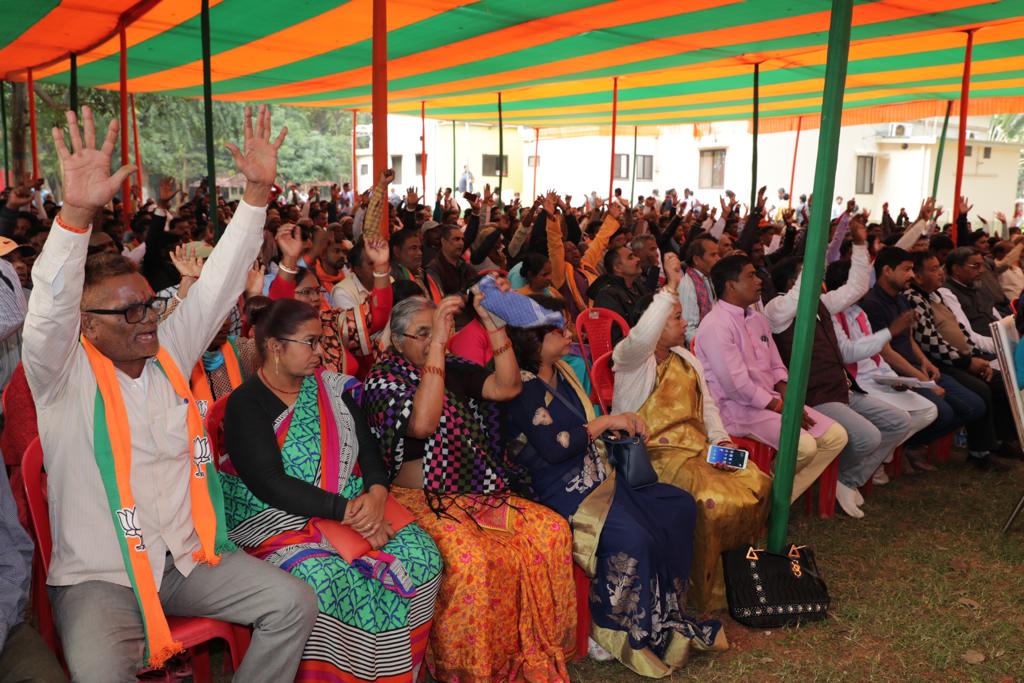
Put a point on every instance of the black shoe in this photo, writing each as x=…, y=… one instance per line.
x=1010, y=451
x=989, y=463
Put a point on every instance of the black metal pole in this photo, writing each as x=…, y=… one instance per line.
x=73, y=91
x=211, y=169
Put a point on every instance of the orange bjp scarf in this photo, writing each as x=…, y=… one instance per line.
x=112, y=448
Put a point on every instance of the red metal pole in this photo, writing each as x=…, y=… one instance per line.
x=615, y=119
x=796, y=148
x=355, y=164
x=380, y=97
x=138, y=157
x=536, y=157
x=965, y=95
x=423, y=143
x=32, y=126
x=126, y=186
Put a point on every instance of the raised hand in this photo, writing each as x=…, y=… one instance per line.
x=254, y=279
x=550, y=202
x=88, y=183
x=386, y=176
x=258, y=160
x=22, y=195
x=186, y=261
x=762, y=198
x=444, y=318
x=927, y=206
x=289, y=241
x=964, y=206
x=377, y=251
x=673, y=272
x=412, y=199
x=615, y=210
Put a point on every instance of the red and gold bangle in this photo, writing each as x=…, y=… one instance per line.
x=503, y=348
x=433, y=370
x=71, y=228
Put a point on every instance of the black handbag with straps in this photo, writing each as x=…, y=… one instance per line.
x=766, y=590
x=628, y=455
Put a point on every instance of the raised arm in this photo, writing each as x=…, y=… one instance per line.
x=595, y=253
x=188, y=332
x=54, y=311
x=377, y=207
x=637, y=346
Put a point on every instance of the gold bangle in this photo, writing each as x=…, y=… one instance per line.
x=433, y=370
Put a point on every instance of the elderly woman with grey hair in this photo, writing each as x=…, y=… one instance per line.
x=506, y=608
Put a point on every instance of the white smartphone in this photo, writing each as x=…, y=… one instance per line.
x=733, y=457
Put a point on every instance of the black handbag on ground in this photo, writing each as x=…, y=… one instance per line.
x=628, y=455
x=766, y=590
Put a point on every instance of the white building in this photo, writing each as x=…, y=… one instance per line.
x=891, y=162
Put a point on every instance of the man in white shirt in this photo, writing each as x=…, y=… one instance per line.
x=95, y=600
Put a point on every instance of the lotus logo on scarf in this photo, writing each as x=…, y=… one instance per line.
x=202, y=405
x=126, y=517
x=201, y=455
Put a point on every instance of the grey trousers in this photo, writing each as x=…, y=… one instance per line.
x=26, y=658
x=874, y=427
x=101, y=630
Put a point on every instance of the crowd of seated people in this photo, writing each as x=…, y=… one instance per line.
x=364, y=427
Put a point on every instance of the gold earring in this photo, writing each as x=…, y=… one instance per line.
x=277, y=364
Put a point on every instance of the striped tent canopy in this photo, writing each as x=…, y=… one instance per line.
x=553, y=62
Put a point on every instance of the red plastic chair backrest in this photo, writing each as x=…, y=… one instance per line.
x=602, y=379
x=35, y=490
x=493, y=271
x=594, y=327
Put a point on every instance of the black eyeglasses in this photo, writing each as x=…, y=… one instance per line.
x=135, y=313
x=312, y=343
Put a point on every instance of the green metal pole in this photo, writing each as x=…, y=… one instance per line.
x=632, y=185
x=211, y=166
x=501, y=149
x=814, y=265
x=942, y=148
x=3, y=117
x=73, y=88
x=757, y=120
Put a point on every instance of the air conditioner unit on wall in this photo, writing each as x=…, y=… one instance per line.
x=900, y=130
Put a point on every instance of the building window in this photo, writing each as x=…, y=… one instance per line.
x=491, y=166
x=419, y=164
x=532, y=161
x=364, y=169
x=621, y=166
x=712, y=168
x=396, y=166
x=986, y=153
x=968, y=151
x=644, y=167
x=865, y=175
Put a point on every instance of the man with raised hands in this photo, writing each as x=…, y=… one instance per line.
x=135, y=501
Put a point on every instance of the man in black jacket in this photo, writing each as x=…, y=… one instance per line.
x=621, y=288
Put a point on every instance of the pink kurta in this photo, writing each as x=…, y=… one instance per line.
x=742, y=366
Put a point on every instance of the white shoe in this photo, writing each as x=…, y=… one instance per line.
x=598, y=653
x=880, y=477
x=858, y=497
x=847, y=499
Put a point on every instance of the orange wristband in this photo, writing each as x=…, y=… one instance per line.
x=71, y=228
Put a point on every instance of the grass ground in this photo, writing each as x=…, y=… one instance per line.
x=924, y=588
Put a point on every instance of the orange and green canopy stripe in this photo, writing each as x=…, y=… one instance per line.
x=677, y=62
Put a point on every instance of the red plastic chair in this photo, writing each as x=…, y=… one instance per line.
x=895, y=468
x=193, y=632
x=602, y=381
x=826, y=499
x=761, y=454
x=497, y=272
x=940, y=449
x=594, y=333
x=582, y=582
